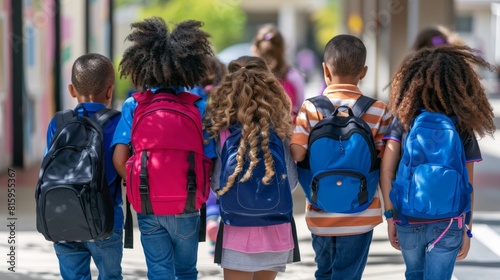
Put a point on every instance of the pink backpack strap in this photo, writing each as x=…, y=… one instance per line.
x=143, y=96
x=189, y=97
x=223, y=135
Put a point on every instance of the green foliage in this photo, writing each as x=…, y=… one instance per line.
x=122, y=85
x=224, y=19
x=120, y=3
x=327, y=22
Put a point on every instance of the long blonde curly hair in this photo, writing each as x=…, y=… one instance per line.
x=252, y=97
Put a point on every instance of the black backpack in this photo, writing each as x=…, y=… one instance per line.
x=73, y=200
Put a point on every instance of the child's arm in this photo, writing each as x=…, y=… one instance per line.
x=120, y=157
x=300, y=134
x=388, y=168
x=122, y=139
x=390, y=160
x=464, y=249
x=298, y=152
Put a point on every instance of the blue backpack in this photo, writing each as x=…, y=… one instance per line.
x=252, y=203
x=341, y=171
x=432, y=180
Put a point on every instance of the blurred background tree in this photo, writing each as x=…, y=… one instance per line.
x=327, y=23
x=224, y=19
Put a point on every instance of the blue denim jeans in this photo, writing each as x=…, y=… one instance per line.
x=341, y=257
x=440, y=261
x=170, y=245
x=74, y=258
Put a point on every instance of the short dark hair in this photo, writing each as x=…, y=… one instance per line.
x=159, y=57
x=345, y=55
x=92, y=74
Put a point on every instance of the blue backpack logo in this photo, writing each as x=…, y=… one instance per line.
x=432, y=180
x=341, y=171
x=252, y=203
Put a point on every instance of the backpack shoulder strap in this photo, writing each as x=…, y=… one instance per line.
x=128, y=241
x=362, y=105
x=142, y=96
x=63, y=117
x=189, y=97
x=103, y=116
x=223, y=135
x=323, y=105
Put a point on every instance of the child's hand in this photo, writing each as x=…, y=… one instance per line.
x=464, y=249
x=393, y=236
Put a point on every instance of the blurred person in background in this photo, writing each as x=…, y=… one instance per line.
x=269, y=44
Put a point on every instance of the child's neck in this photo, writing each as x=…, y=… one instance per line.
x=92, y=99
x=344, y=80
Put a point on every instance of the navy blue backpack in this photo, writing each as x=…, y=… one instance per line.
x=432, y=180
x=341, y=171
x=252, y=203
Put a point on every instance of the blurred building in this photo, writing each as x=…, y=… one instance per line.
x=478, y=24
x=39, y=40
x=387, y=27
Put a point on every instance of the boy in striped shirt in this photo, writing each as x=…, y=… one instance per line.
x=341, y=241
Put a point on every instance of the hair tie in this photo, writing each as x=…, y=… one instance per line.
x=268, y=36
x=438, y=40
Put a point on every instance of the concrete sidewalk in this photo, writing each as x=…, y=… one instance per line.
x=36, y=259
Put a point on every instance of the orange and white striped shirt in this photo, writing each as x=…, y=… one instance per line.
x=378, y=118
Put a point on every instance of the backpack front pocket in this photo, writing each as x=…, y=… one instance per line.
x=343, y=191
x=438, y=198
x=66, y=217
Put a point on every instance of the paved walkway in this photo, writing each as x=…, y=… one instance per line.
x=35, y=258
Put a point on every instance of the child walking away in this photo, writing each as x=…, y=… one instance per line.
x=78, y=195
x=338, y=144
x=166, y=169
x=439, y=106
x=269, y=44
x=254, y=174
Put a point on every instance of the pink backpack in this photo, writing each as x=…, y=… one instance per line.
x=168, y=172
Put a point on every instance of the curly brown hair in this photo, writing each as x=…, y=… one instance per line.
x=442, y=79
x=251, y=96
x=160, y=58
x=216, y=70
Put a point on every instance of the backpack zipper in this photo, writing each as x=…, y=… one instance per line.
x=350, y=173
